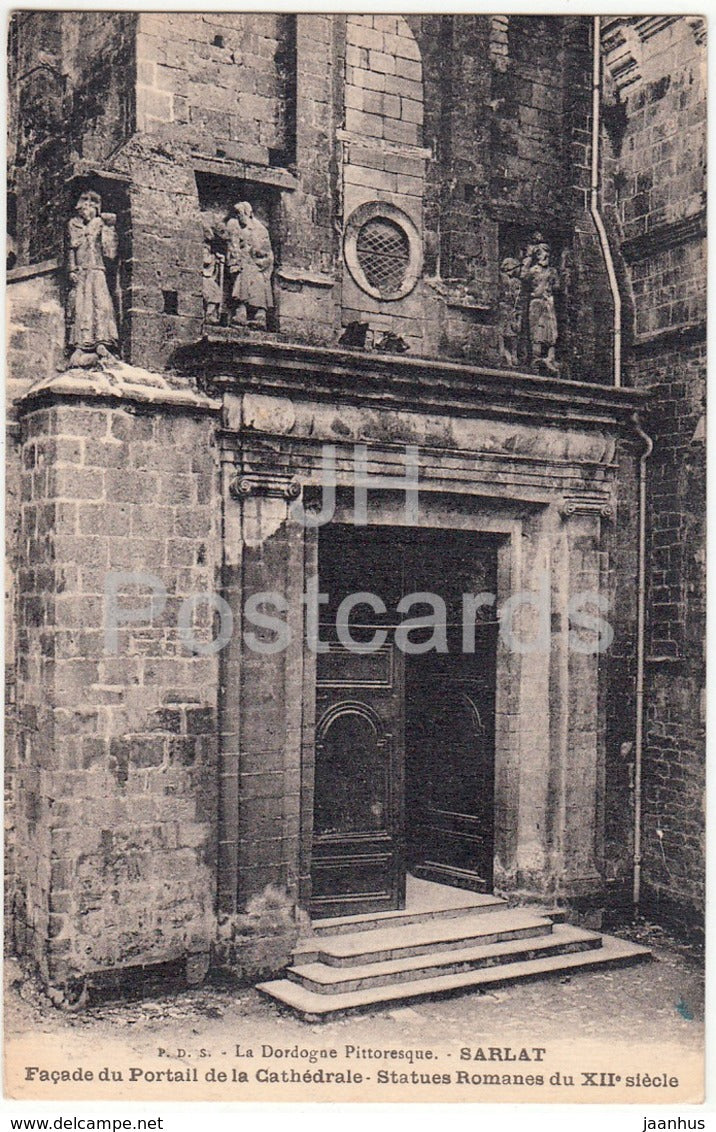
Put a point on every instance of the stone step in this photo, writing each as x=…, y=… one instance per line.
x=418, y=939
x=460, y=903
x=313, y=1006
x=324, y=979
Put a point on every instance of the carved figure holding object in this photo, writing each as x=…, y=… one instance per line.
x=91, y=243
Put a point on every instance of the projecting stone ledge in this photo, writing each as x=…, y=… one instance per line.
x=115, y=380
x=264, y=364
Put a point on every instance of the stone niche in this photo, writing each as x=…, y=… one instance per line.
x=217, y=196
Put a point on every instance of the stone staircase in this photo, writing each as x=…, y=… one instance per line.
x=473, y=941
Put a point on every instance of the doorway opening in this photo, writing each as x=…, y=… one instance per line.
x=405, y=720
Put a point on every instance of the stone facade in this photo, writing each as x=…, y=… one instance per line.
x=655, y=186
x=116, y=748
x=396, y=161
x=477, y=154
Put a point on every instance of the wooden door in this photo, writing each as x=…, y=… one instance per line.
x=450, y=727
x=358, y=860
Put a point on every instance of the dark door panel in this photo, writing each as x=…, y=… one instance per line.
x=371, y=702
x=358, y=853
x=450, y=766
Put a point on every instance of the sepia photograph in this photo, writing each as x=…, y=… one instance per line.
x=355, y=557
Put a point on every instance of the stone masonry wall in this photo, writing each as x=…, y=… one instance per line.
x=35, y=341
x=117, y=759
x=219, y=109
x=382, y=152
x=619, y=676
x=306, y=285
x=307, y=121
x=222, y=82
x=72, y=92
x=507, y=112
x=674, y=757
x=36, y=327
x=209, y=86
x=656, y=191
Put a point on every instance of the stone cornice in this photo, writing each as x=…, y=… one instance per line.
x=405, y=384
x=671, y=338
x=31, y=270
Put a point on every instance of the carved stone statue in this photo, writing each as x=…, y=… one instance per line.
x=91, y=242
x=249, y=261
x=212, y=279
x=541, y=281
x=510, y=316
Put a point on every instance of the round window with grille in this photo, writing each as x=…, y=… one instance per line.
x=383, y=250
x=384, y=254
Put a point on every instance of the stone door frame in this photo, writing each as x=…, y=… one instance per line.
x=546, y=496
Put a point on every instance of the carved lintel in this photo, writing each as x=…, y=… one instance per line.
x=585, y=505
x=277, y=485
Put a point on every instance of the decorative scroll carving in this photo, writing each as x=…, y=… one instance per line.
x=278, y=485
x=586, y=505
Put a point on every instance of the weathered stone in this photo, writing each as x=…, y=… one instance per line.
x=469, y=134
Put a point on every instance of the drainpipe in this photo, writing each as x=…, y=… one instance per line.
x=640, y=638
x=594, y=201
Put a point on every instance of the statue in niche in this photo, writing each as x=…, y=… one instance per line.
x=250, y=262
x=212, y=279
x=511, y=304
x=541, y=280
x=91, y=244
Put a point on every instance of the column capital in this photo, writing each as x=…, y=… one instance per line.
x=586, y=505
x=278, y=485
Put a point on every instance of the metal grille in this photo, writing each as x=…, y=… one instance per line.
x=383, y=253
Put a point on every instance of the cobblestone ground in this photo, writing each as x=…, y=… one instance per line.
x=659, y=1001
